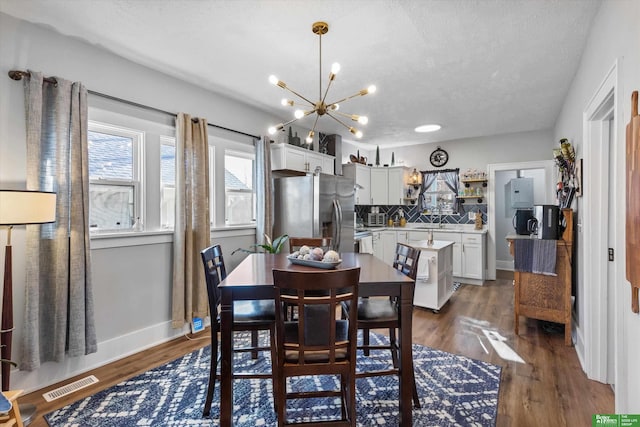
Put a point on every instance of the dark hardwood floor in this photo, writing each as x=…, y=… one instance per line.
x=550, y=389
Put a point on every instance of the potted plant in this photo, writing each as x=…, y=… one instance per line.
x=271, y=247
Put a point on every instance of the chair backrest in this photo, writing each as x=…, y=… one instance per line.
x=406, y=260
x=319, y=336
x=313, y=242
x=214, y=273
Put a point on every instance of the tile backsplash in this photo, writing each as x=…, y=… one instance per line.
x=413, y=214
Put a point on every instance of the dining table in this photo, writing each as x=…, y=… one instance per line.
x=252, y=279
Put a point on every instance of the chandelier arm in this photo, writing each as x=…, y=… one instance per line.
x=359, y=93
x=338, y=120
x=299, y=96
x=327, y=91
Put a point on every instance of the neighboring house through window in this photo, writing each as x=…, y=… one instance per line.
x=240, y=200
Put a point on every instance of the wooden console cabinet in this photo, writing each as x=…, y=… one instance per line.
x=545, y=297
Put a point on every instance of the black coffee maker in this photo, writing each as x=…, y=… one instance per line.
x=521, y=219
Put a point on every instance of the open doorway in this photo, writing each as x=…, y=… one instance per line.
x=544, y=171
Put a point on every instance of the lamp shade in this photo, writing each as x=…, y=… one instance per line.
x=27, y=207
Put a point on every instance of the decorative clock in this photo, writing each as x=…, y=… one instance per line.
x=439, y=157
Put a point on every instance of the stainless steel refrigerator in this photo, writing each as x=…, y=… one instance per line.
x=315, y=206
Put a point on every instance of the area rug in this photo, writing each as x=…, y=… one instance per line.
x=454, y=391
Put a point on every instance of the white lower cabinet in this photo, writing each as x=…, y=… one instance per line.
x=473, y=255
x=456, y=238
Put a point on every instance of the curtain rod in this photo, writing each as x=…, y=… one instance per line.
x=17, y=75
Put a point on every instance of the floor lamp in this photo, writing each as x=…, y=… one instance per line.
x=18, y=208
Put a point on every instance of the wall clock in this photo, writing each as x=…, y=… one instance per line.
x=439, y=157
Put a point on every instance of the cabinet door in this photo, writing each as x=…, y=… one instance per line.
x=295, y=159
x=473, y=256
x=328, y=165
x=389, y=240
x=456, y=238
x=397, y=185
x=362, y=176
x=315, y=160
x=379, y=186
x=403, y=237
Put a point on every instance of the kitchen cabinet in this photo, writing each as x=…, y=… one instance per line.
x=388, y=185
x=469, y=253
x=379, y=186
x=361, y=175
x=472, y=257
x=389, y=239
x=285, y=156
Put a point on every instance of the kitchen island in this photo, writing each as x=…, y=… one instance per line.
x=434, y=281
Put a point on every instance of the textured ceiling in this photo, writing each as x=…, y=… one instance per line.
x=477, y=67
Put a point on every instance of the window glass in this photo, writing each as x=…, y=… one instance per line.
x=240, y=203
x=439, y=198
x=113, y=185
x=167, y=182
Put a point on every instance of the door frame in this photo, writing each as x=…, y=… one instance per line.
x=492, y=168
x=597, y=142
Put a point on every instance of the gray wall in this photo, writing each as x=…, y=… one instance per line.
x=615, y=35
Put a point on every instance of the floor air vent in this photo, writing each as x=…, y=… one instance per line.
x=69, y=388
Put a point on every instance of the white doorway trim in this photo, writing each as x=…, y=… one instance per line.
x=547, y=165
x=606, y=99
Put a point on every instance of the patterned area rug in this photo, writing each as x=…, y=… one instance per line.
x=453, y=390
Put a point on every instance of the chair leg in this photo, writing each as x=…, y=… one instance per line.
x=365, y=341
x=274, y=367
x=281, y=398
x=254, y=343
x=352, y=398
x=212, y=372
x=394, y=346
x=416, y=398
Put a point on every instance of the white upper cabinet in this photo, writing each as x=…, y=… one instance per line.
x=361, y=175
x=398, y=178
x=379, y=186
x=285, y=156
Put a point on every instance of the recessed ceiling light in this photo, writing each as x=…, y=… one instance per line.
x=428, y=128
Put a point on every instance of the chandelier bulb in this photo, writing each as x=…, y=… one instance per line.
x=363, y=120
x=298, y=114
x=356, y=132
x=309, y=138
x=273, y=129
x=287, y=102
x=273, y=79
x=335, y=68
x=335, y=107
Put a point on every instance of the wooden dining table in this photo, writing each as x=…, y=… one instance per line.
x=252, y=279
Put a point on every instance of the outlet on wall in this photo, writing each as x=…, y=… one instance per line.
x=472, y=216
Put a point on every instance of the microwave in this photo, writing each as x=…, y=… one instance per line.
x=376, y=219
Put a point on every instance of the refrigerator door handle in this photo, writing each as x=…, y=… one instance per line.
x=337, y=210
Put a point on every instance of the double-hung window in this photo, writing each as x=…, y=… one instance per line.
x=240, y=198
x=115, y=193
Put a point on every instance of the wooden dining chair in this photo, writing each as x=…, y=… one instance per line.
x=313, y=242
x=319, y=342
x=383, y=313
x=252, y=316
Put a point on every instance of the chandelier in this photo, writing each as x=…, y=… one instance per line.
x=320, y=107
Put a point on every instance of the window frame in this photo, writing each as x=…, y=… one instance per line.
x=249, y=155
x=137, y=151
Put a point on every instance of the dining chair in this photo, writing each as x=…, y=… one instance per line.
x=252, y=316
x=319, y=342
x=296, y=243
x=383, y=313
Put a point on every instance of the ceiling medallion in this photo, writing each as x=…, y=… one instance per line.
x=321, y=107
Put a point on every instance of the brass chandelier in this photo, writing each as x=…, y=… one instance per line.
x=321, y=107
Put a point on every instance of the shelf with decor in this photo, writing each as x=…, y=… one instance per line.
x=463, y=198
x=468, y=182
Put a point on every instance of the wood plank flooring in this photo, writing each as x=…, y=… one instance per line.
x=550, y=389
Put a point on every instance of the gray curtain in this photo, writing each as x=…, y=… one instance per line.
x=192, y=232
x=450, y=178
x=59, y=315
x=427, y=181
x=264, y=191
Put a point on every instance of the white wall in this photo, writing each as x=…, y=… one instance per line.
x=503, y=220
x=132, y=275
x=615, y=35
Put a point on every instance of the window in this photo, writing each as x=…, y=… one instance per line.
x=439, y=192
x=240, y=200
x=114, y=171
x=167, y=182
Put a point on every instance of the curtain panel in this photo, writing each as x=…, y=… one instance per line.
x=59, y=310
x=264, y=191
x=192, y=232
